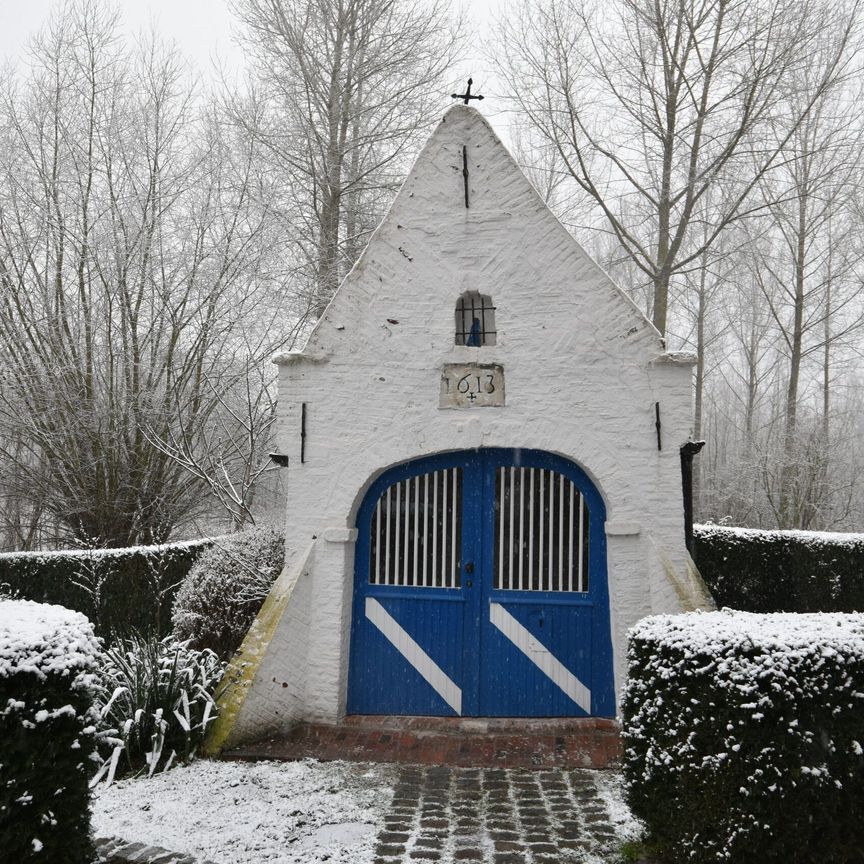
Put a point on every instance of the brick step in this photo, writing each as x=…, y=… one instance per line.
x=464, y=742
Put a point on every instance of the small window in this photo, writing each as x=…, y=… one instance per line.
x=475, y=320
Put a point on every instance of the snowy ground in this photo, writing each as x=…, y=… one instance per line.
x=244, y=813
x=346, y=813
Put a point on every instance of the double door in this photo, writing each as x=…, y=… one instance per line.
x=480, y=590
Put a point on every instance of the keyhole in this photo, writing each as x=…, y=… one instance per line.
x=469, y=567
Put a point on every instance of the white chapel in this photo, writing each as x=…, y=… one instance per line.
x=484, y=481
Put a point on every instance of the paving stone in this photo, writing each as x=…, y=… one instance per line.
x=543, y=848
x=595, y=817
x=509, y=846
x=429, y=841
x=393, y=836
x=495, y=816
x=434, y=823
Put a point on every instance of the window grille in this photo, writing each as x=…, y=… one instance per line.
x=475, y=320
x=417, y=532
x=541, y=532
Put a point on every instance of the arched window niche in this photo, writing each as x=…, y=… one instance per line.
x=475, y=320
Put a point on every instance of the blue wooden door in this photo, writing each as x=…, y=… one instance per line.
x=480, y=590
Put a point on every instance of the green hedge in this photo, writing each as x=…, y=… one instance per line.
x=119, y=590
x=743, y=736
x=219, y=599
x=781, y=571
x=48, y=657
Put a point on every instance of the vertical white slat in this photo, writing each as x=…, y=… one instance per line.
x=561, y=481
x=453, y=530
x=377, y=568
x=510, y=539
x=425, y=531
x=544, y=527
x=521, y=527
x=502, y=479
x=435, y=478
x=550, y=528
x=387, y=540
x=406, y=561
x=581, y=540
x=531, y=529
x=397, y=546
x=445, y=579
x=570, y=522
x=415, y=574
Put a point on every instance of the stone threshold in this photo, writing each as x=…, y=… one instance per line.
x=587, y=742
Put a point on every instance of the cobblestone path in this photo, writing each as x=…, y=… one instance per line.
x=498, y=816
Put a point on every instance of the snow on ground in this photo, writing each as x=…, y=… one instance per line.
x=244, y=813
x=610, y=788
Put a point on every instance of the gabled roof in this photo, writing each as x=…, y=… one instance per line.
x=506, y=242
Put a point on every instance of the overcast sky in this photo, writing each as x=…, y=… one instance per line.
x=201, y=28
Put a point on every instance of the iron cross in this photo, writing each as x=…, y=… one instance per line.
x=467, y=95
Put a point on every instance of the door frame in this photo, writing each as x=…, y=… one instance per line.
x=602, y=669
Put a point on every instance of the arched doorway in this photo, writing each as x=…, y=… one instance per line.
x=480, y=590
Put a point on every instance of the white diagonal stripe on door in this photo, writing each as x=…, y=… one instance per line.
x=540, y=656
x=428, y=669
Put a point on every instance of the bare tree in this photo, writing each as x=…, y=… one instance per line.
x=132, y=251
x=810, y=276
x=342, y=90
x=657, y=103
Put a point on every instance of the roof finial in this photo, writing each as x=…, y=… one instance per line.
x=467, y=94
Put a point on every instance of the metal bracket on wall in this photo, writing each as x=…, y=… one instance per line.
x=465, y=172
x=657, y=424
x=302, y=432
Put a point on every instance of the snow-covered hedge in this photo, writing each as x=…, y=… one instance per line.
x=48, y=656
x=744, y=735
x=221, y=596
x=781, y=571
x=119, y=590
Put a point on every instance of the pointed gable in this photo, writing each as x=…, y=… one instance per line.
x=506, y=244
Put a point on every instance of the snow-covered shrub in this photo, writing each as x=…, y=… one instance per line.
x=48, y=656
x=781, y=571
x=119, y=590
x=221, y=596
x=155, y=704
x=744, y=735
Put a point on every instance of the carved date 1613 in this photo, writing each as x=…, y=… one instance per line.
x=471, y=385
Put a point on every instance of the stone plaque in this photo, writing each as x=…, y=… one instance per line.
x=471, y=385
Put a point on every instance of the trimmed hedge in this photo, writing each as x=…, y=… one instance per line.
x=48, y=657
x=744, y=738
x=781, y=571
x=120, y=590
x=221, y=596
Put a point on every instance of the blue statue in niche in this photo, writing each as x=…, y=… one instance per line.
x=474, y=334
